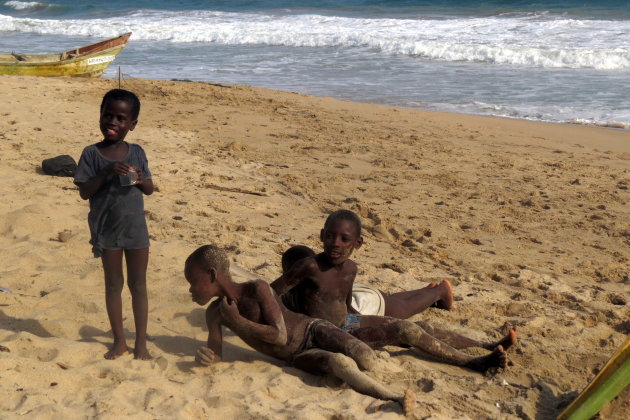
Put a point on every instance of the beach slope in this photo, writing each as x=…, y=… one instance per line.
x=529, y=221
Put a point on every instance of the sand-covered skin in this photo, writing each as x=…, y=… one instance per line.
x=529, y=221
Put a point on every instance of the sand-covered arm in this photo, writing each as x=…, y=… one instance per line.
x=214, y=350
x=289, y=279
x=273, y=331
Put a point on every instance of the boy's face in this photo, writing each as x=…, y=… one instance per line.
x=203, y=286
x=340, y=238
x=116, y=120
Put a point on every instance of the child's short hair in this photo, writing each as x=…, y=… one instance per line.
x=210, y=256
x=294, y=254
x=344, y=215
x=123, y=95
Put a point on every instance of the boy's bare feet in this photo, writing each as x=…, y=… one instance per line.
x=117, y=349
x=446, y=294
x=498, y=358
x=141, y=353
x=409, y=402
x=506, y=342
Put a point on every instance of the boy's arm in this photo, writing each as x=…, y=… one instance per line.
x=300, y=270
x=88, y=188
x=145, y=184
x=351, y=309
x=274, y=332
x=352, y=275
x=214, y=351
x=271, y=311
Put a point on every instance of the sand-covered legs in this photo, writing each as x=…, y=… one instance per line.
x=343, y=367
x=379, y=331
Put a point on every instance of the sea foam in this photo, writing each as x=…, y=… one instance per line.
x=24, y=5
x=534, y=40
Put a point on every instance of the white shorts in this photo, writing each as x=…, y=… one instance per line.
x=367, y=300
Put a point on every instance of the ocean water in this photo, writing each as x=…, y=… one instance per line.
x=560, y=61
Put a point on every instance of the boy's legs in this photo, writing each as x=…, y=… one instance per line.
x=380, y=331
x=459, y=341
x=403, y=305
x=451, y=338
x=137, y=262
x=320, y=361
x=330, y=338
x=114, y=282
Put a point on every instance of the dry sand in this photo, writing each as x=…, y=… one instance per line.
x=530, y=222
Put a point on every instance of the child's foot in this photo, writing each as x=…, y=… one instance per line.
x=446, y=301
x=141, y=353
x=118, y=349
x=498, y=358
x=506, y=342
x=409, y=402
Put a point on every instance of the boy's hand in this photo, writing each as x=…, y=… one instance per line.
x=117, y=168
x=206, y=357
x=140, y=178
x=229, y=310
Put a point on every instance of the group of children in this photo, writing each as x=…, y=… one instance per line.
x=313, y=316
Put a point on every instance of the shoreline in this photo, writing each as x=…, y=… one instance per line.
x=528, y=220
x=610, y=125
x=620, y=144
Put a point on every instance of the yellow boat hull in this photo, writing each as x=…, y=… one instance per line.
x=89, y=61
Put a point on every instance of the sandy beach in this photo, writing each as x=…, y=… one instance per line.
x=529, y=221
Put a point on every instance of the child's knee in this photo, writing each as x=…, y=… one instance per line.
x=137, y=287
x=114, y=285
x=362, y=354
x=340, y=363
x=408, y=330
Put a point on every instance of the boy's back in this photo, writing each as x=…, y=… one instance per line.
x=250, y=307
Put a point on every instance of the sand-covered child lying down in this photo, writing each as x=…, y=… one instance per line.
x=254, y=312
x=321, y=286
x=367, y=300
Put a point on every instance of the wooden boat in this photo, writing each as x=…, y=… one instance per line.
x=88, y=61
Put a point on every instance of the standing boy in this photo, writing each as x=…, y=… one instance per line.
x=114, y=175
x=321, y=286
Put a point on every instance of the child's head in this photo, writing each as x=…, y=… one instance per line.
x=125, y=96
x=119, y=114
x=341, y=235
x=294, y=254
x=348, y=215
x=204, y=269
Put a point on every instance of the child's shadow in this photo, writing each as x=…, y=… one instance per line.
x=88, y=335
x=231, y=353
x=196, y=317
x=32, y=326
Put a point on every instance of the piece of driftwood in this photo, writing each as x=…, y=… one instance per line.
x=236, y=190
